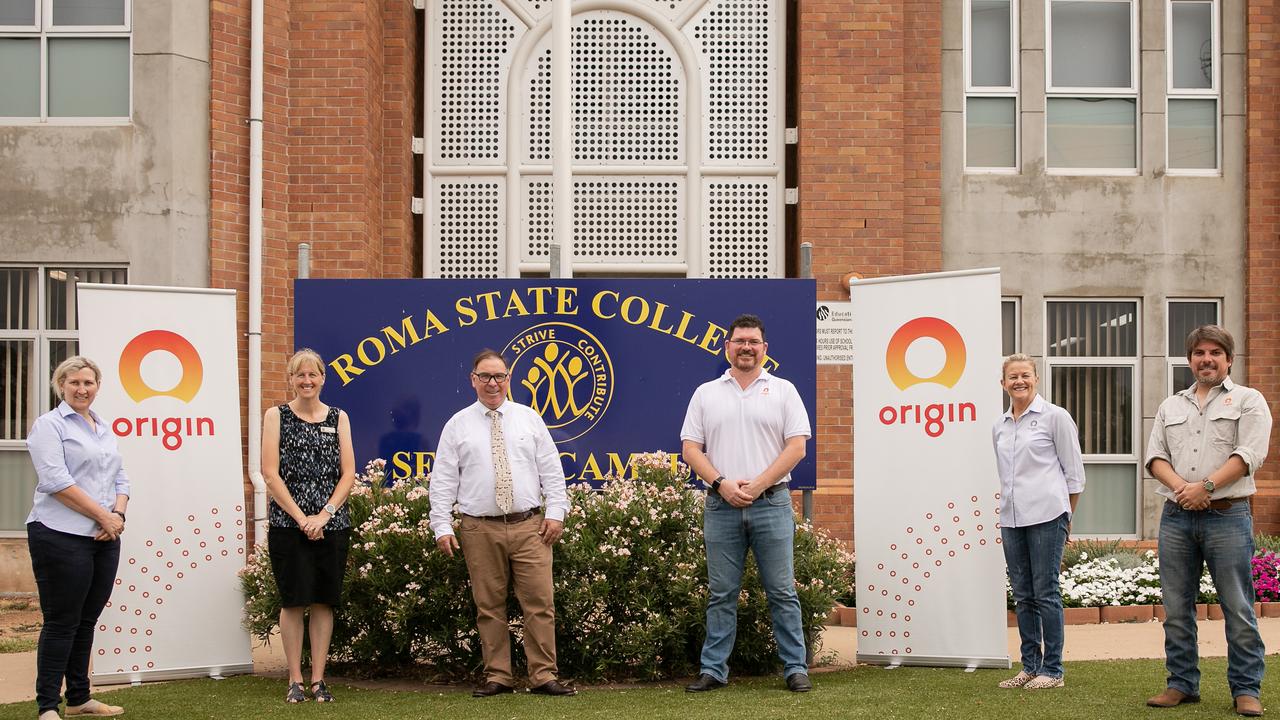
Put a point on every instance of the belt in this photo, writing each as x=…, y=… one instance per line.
x=1219, y=504
x=514, y=517
x=780, y=487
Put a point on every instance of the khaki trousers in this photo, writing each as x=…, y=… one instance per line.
x=496, y=553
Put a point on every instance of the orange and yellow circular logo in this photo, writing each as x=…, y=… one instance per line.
x=895, y=356
x=145, y=344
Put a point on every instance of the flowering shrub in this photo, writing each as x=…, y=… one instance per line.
x=630, y=580
x=1120, y=578
x=1266, y=576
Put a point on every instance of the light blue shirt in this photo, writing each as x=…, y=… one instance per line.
x=1039, y=461
x=66, y=452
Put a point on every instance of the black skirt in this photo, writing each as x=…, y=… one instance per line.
x=308, y=571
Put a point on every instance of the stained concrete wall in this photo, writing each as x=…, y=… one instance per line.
x=1150, y=236
x=135, y=194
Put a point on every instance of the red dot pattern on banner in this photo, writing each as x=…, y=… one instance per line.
x=148, y=588
x=937, y=537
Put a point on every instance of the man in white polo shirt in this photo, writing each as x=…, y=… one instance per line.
x=742, y=434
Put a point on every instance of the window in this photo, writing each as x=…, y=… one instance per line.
x=37, y=331
x=991, y=86
x=1193, y=93
x=65, y=61
x=1091, y=109
x=1183, y=317
x=1010, y=332
x=1091, y=358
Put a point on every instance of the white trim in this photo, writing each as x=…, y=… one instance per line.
x=48, y=25
x=1015, y=51
x=1212, y=93
x=924, y=276
x=1134, y=52
x=987, y=91
x=1016, y=301
x=1134, y=171
x=34, y=27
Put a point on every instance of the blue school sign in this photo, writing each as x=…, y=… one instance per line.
x=610, y=364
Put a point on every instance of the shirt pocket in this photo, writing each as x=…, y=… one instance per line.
x=1177, y=435
x=1224, y=426
x=524, y=445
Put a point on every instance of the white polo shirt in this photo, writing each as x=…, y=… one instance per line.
x=743, y=431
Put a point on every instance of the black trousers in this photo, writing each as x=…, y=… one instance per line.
x=75, y=575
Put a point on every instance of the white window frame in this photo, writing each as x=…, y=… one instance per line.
x=44, y=29
x=988, y=91
x=1212, y=93
x=41, y=338
x=1135, y=423
x=1133, y=92
x=1016, y=301
x=1175, y=357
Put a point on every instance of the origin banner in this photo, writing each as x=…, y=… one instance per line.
x=930, y=570
x=609, y=364
x=171, y=392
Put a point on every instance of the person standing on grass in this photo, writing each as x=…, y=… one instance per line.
x=1207, y=443
x=742, y=434
x=1041, y=477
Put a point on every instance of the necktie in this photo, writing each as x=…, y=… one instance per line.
x=501, y=469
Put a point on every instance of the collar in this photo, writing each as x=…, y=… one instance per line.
x=1190, y=393
x=484, y=409
x=1036, y=406
x=65, y=411
x=728, y=376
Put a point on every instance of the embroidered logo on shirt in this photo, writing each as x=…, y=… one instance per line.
x=764, y=390
x=1226, y=401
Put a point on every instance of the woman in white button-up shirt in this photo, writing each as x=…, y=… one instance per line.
x=1041, y=476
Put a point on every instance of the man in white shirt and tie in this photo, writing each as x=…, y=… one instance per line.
x=497, y=461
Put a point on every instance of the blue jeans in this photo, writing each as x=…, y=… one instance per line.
x=1033, y=555
x=1224, y=540
x=768, y=528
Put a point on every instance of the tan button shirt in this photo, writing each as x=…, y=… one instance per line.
x=1235, y=420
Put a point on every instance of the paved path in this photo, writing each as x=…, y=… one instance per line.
x=1084, y=642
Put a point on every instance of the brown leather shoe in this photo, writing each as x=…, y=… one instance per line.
x=1248, y=705
x=553, y=687
x=492, y=688
x=1172, y=698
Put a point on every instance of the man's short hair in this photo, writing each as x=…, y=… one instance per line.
x=1215, y=334
x=485, y=354
x=747, y=321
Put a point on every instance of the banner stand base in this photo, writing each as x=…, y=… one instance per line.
x=966, y=663
x=134, y=678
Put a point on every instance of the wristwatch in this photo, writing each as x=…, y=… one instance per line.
x=715, y=484
x=1209, y=486
x=122, y=517
x=331, y=509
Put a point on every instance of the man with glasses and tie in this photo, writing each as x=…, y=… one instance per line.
x=497, y=461
x=743, y=433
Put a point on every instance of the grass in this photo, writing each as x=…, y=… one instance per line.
x=1097, y=689
x=16, y=645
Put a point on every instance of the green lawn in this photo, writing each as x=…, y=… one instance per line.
x=17, y=645
x=1102, y=689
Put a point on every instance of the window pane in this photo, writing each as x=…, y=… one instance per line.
x=88, y=12
x=1193, y=134
x=1182, y=377
x=1092, y=133
x=1101, y=401
x=1192, y=45
x=89, y=77
x=17, y=298
x=17, y=388
x=990, y=48
x=1092, y=44
x=1008, y=327
x=20, y=89
x=17, y=487
x=59, y=350
x=17, y=12
x=1092, y=329
x=60, y=292
x=990, y=135
x=1185, y=316
x=1108, y=505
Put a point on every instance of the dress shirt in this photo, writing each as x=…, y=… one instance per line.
x=66, y=452
x=1196, y=441
x=463, y=468
x=743, y=431
x=1038, y=458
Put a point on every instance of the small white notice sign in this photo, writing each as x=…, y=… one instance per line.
x=835, y=333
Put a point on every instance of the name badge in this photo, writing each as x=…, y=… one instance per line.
x=327, y=429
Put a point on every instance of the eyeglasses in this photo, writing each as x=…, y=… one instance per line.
x=749, y=343
x=486, y=378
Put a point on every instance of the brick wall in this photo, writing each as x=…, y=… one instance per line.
x=1263, y=246
x=870, y=185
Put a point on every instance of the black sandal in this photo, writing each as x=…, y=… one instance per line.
x=295, y=694
x=320, y=692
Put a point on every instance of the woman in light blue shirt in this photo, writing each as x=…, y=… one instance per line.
x=1041, y=476
x=73, y=534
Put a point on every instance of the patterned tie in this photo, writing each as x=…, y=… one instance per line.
x=501, y=469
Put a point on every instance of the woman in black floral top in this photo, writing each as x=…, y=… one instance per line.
x=309, y=467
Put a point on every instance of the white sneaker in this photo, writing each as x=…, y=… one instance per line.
x=94, y=708
x=50, y=715
x=1017, y=681
x=1044, y=682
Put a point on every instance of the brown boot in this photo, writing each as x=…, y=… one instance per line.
x=1248, y=706
x=1172, y=698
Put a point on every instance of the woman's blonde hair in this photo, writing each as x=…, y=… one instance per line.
x=73, y=364
x=301, y=356
x=1017, y=358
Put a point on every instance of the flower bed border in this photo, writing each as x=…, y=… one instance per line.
x=842, y=616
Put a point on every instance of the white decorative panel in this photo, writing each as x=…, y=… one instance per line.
x=467, y=224
x=616, y=219
x=670, y=8
x=739, y=42
x=628, y=94
x=742, y=233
